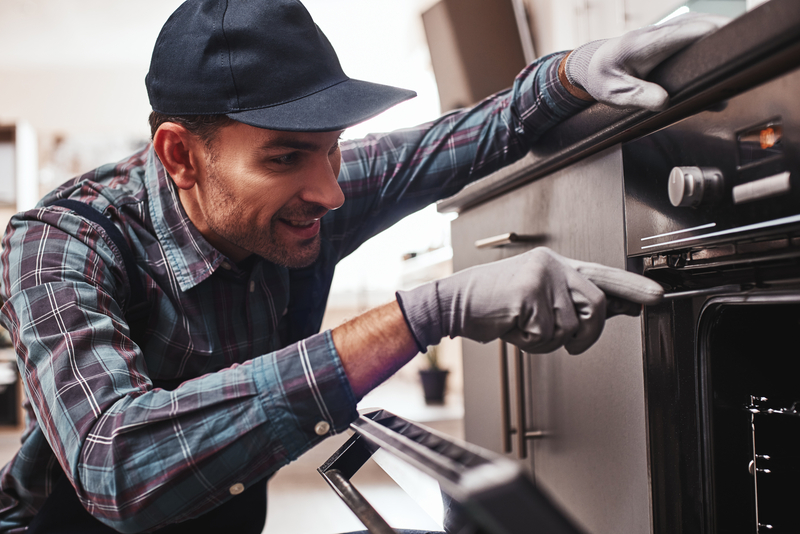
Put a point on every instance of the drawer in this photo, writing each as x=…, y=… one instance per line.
x=578, y=212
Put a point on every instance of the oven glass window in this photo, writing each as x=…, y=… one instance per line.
x=752, y=356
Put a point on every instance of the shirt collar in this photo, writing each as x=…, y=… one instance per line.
x=189, y=255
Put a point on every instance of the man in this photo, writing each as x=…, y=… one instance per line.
x=236, y=216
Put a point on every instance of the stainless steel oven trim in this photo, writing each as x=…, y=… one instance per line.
x=709, y=291
x=731, y=231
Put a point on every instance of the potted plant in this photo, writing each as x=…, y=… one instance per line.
x=434, y=378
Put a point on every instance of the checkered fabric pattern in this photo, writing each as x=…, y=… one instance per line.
x=252, y=393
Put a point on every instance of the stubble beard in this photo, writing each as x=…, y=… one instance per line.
x=225, y=221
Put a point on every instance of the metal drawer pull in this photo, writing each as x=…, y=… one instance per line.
x=519, y=393
x=508, y=239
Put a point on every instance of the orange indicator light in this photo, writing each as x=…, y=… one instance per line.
x=768, y=138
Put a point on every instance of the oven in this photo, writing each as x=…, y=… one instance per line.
x=712, y=212
x=683, y=420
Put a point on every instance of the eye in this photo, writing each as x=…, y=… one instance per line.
x=335, y=148
x=286, y=159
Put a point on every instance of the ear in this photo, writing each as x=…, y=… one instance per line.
x=181, y=152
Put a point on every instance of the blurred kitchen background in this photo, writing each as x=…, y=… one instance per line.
x=72, y=97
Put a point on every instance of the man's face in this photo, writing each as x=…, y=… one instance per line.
x=264, y=192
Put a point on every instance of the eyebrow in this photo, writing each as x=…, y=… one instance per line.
x=296, y=144
x=289, y=143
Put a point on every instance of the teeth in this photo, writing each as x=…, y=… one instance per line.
x=302, y=223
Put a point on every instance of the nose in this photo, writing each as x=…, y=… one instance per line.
x=323, y=188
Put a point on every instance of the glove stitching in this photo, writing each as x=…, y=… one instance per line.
x=571, y=87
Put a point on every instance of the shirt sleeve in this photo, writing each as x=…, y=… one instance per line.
x=141, y=457
x=388, y=176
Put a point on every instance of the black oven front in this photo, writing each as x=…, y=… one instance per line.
x=712, y=209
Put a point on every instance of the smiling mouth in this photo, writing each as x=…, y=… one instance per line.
x=302, y=229
x=300, y=224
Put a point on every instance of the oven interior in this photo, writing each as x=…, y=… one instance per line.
x=750, y=358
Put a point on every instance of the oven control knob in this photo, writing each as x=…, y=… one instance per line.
x=689, y=186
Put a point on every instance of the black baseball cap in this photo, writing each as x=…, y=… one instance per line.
x=261, y=62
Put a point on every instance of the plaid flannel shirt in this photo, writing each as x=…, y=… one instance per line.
x=255, y=380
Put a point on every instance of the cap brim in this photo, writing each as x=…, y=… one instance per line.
x=335, y=108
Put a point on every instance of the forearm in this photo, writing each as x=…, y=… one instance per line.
x=373, y=346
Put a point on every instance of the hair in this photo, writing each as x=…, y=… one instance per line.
x=203, y=126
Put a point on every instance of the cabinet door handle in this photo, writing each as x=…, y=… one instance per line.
x=519, y=404
x=505, y=412
x=509, y=238
x=522, y=443
x=524, y=435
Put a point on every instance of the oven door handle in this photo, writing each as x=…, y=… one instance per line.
x=708, y=291
x=360, y=506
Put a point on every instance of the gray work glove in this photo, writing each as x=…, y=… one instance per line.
x=611, y=70
x=538, y=301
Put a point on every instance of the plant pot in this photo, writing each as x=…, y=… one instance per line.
x=434, y=384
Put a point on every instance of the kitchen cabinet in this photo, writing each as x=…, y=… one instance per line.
x=592, y=457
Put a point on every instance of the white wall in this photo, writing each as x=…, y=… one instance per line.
x=78, y=66
x=19, y=171
x=74, y=70
x=74, y=67
x=565, y=24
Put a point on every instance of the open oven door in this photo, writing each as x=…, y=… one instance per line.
x=478, y=491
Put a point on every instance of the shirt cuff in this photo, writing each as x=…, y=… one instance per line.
x=305, y=392
x=553, y=92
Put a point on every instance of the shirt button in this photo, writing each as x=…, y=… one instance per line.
x=322, y=428
x=237, y=488
x=226, y=265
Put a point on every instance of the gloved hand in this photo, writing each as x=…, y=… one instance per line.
x=538, y=301
x=611, y=70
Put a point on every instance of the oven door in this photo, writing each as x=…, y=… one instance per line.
x=478, y=492
x=723, y=403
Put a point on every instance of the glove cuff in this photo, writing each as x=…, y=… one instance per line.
x=571, y=88
x=420, y=307
x=577, y=63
